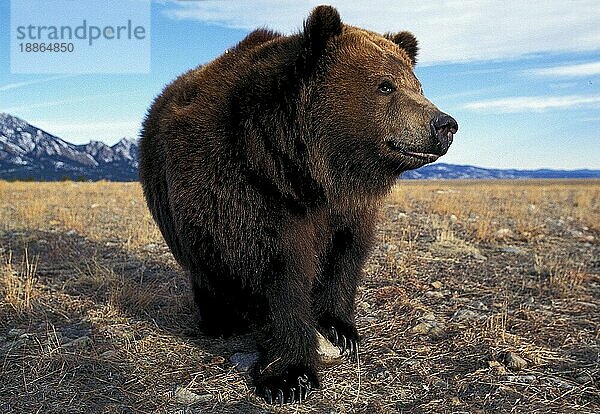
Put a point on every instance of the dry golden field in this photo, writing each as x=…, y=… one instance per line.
x=480, y=296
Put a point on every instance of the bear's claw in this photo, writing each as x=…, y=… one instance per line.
x=284, y=393
x=268, y=396
x=349, y=347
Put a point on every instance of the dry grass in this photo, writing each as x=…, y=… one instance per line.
x=559, y=275
x=466, y=278
x=18, y=282
x=523, y=207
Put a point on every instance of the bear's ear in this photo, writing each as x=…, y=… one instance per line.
x=323, y=24
x=406, y=41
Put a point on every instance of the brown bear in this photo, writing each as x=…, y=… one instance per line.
x=264, y=170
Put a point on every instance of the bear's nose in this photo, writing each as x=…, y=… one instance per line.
x=443, y=128
x=445, y=121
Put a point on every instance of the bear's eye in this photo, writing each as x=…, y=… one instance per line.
x=386, y=87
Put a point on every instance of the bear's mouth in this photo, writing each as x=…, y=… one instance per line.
x=422, y=156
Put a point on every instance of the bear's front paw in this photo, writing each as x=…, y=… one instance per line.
x=347, y=340
x=291, y=387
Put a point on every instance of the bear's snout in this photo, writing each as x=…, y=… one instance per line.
x=443, y=128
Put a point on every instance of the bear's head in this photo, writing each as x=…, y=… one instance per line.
x=370, y=117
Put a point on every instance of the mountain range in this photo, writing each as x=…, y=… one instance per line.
x=441, y=171
x=29, y=153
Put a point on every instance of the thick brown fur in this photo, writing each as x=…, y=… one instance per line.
x=264, y=170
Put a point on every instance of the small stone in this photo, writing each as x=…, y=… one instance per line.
x=453, y=218
x=505, y=232
x=150, y=247
x=561, y=383
x=367, y=319
x=513, y=361
x=478, y=256
x=480, y=306
x=423, y=349
x=71, y=233
x=437, y=284
x=422, y=329
x=244, y=361
x=431, y=328
x=437, y=331
x=429, y=316
x=390, y=247
x=217, y=360
x=413, y=363
x=79, y=342
x=527, y=379
x=462, y=315
x=434, y=294
x=584, y=379
x=497, y=367
x=184, y=396
x=74, y=332
x=15, y=332
x=382, y=374
x=328, y=353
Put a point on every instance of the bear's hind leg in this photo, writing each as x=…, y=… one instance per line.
x=219, y=313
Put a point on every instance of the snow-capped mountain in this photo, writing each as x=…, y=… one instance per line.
x=27, y=152
x=441, y=171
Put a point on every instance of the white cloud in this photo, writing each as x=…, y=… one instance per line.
x=590, y=119
x=17, y=85
x=534, y=103
x=49, y=104
x=582, y=69
x=563, y=85
x=448, y=31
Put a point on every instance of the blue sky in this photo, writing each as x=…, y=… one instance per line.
x=522, y=78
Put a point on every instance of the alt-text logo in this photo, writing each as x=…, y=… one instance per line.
x=80, y=36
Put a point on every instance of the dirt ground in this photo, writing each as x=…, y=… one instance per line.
x=480, y=296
